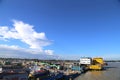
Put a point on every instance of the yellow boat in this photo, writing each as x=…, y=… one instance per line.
x=97, y=64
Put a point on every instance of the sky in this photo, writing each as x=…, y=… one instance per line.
x=61, y=29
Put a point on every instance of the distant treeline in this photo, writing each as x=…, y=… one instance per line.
x=112, y=60
x=54, y=60
x=38, y=59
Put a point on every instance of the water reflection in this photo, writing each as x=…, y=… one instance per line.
x=111, y=72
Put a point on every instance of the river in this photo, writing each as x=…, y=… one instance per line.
x=111, y=72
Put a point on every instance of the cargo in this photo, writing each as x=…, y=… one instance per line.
x=93, y=63
x=86, y=60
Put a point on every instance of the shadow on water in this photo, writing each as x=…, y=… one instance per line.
x=108, y=67
x=71, y=77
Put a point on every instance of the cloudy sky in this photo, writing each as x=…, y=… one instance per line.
x=64, y=29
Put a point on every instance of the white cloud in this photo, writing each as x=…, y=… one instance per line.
x=17, y=48
x=26, y=34
x=18, y=52
x=50, y=52
x=14, y=47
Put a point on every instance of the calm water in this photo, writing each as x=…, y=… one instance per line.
x=112, y=72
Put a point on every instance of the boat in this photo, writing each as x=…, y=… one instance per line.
x=37, y=72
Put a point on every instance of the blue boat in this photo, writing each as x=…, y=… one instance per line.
x=80, y=69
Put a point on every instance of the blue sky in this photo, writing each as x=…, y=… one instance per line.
x=66, y=28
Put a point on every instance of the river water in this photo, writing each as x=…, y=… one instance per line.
x=111, y=72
